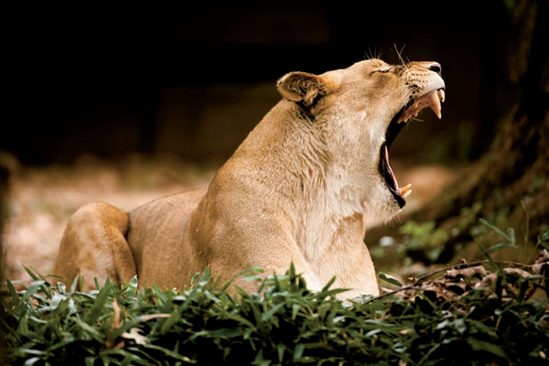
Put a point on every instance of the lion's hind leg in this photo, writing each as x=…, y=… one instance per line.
x=94, y=246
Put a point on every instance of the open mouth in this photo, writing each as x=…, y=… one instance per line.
x=432, y=100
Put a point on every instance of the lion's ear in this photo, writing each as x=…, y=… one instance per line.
x=304, y=87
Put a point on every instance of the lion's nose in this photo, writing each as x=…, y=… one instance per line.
x=435, y=67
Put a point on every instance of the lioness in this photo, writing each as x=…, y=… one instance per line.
x=300, y=189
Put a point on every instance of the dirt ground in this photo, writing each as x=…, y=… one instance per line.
x=42, y=199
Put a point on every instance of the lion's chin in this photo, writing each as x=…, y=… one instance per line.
x=382, y=208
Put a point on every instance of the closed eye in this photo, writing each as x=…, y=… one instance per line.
x=386, y=69
x=383, y=70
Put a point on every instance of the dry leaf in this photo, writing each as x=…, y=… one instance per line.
x=542, y=262
x=134, y=334
x=466, y=273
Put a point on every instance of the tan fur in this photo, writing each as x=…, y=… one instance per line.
x=301, y=189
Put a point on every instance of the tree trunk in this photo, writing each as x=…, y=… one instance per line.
x=509, y=184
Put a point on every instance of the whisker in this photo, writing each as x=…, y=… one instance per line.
x=399, y=54
x=369, y=55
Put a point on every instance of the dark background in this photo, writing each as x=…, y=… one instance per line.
x=193, y=80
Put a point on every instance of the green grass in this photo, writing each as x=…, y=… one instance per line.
x=460, y=319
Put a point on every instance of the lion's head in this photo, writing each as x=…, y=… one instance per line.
x=360, y=111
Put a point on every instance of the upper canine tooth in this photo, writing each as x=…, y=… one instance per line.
x=435, y=104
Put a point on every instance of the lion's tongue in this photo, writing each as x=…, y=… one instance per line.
x=390, y=178
x=431, y=100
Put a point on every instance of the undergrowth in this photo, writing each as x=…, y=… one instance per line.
x=479, y=313
x=283, y=324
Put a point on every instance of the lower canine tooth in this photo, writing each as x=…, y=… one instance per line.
x=405, y=191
